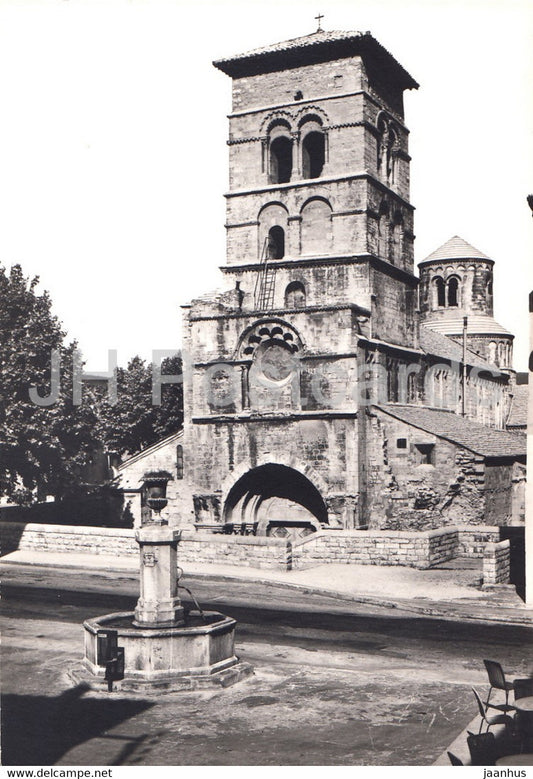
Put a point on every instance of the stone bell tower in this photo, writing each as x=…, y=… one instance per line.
x=319, y=258
x=456, y=281
x=319, y=176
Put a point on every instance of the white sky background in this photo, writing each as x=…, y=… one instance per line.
x=113, y=157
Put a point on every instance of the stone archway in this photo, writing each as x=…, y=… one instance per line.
x=275, y=500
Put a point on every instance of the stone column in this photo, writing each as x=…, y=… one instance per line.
x=159, y=604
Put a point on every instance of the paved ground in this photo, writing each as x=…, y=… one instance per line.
x=450, y=590
x=337, y=682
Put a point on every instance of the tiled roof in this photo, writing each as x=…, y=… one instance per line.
x=304, y=41
x=518, y=414
x=478, y=324
x=456, y=249
x=440, y=345
x=464, y=432
x=320, y=46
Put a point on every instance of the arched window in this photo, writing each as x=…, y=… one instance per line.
x=392, y=380
x=453, y=290
x=489, y=293
x=492, y=352
x=387, y=142
x=313, y=155
x=272, y=232
x=316, y=227
x=441, y=292
x=383, y=231
x=397, y=239
x=412, y=388
x=295, y=295
x=276, y=243
x=179, y=462
x=280, y=160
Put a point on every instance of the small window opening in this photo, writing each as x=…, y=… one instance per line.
x=313, y=155
x=453, y=287
x=276, y=243
x=441, y=293
x=295, y=295
x=179, y=462
x=401, y=443
x=280, y=160
x=424, y=454
x=299, y=95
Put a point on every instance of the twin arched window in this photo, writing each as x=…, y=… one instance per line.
x=316, y=230
x=310, y=152
x=447, y=292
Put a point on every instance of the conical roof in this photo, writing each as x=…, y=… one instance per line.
x=456, y=249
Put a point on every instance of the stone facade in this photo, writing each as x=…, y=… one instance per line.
x=316, y=330
x=417, y=479
x=166, y=455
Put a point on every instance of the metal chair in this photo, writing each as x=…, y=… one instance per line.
x=497, y=719
x=498, y=681
x=454, y=760
x=482, y=748
x=523, y=688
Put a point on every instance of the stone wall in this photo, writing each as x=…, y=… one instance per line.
x=247, y=551
x=497, y=563
x=416, y=550
x=194, y=547
x=473, y=540
x=407, y=490
x=67, y=539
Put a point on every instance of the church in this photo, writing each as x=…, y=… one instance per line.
x=329, y=386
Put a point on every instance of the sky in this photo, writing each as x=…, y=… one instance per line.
x=113, y=156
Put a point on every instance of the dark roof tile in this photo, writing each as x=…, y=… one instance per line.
x=463, y=432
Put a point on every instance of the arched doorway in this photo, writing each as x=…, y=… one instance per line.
x=275, y=500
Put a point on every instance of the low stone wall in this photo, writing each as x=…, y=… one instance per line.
x=249, y=551
x=422, y=549
x=497, y=563
x=376, y=547
x=473, y=539
x=67, y=539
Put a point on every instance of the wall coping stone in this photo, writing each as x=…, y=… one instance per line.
x=81, y=530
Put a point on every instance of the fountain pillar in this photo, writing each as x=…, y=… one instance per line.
x=159, y=646
x=158, y=605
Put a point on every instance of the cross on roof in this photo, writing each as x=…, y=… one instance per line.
x=319, y=19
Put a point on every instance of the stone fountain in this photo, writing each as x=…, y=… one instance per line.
x=160, y=645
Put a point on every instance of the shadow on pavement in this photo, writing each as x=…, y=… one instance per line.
x=37, y=730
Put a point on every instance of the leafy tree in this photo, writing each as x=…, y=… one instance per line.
x=43, y=448
x=134, y=421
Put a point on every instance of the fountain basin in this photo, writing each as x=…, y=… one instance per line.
x=197, y=654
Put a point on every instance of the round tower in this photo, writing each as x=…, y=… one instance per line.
x=456, y=281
